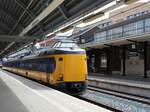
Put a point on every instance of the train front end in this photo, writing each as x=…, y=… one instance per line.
x=71, y=69
x=75, y=74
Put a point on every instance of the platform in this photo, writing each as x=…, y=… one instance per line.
x=126, y=84
x=23, y=95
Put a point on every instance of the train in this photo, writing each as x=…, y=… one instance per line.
x=61, y=64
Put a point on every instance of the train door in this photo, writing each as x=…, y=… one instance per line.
x=50, y=68
x=44, y=68
x=47, y=77
x=61, y=69
x=48, y=73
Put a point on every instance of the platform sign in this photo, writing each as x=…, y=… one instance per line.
x=103, y=61
x=133, y=55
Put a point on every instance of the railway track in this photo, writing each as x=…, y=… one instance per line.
x=131, y=102
x=98, y=104
x=139, y=99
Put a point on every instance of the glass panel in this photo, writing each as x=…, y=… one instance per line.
x=66, y=45
x=117, y=32
x=140, y=27
x=101, y=36
x=130, y=29
x=147, y=25
x=109, y=35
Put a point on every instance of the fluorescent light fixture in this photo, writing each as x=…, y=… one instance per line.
x=106, y=15
x=42, y=15
x=94, y=21
x=81, y=18
x=105, y=7
x=68, y=33
x=143, y=1
x=49, y=34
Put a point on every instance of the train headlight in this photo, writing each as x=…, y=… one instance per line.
x=60, y=77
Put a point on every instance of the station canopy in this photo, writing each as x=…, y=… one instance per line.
x=21, y=21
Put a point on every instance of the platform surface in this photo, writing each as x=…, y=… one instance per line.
x=124, y=80
x=18, y=94
x=123, y=84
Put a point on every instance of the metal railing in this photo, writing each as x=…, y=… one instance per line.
x=122, y=34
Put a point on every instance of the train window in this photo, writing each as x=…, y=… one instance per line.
x=57, y=44
x=43, y=67
x=66, y=45
x=46, y=65
x=35, y=66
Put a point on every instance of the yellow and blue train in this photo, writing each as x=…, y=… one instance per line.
x=63, y=64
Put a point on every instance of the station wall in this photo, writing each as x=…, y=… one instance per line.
x=110, y=61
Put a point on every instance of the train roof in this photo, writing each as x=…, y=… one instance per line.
x=58, y=46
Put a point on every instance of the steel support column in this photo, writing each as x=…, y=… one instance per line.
x=64, y=11
x=124, y=60
x=145, y=59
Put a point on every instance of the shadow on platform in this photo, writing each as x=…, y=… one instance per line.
x=28, y=82
x=9, y=102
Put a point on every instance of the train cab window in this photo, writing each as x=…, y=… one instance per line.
x=67, y=45
x=57, y=44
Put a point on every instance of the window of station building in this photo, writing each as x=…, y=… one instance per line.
x=130, y=17
x=109, y=23
x=105, y=24
x=100, y=36
x=103, y=61
x=109, y=35
x=89, y=37
x=100, y=26
x=138, y=14
x=147, y=25
x=117, y=32
x=140, y=27
x=130, y=29
x=145, y=12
